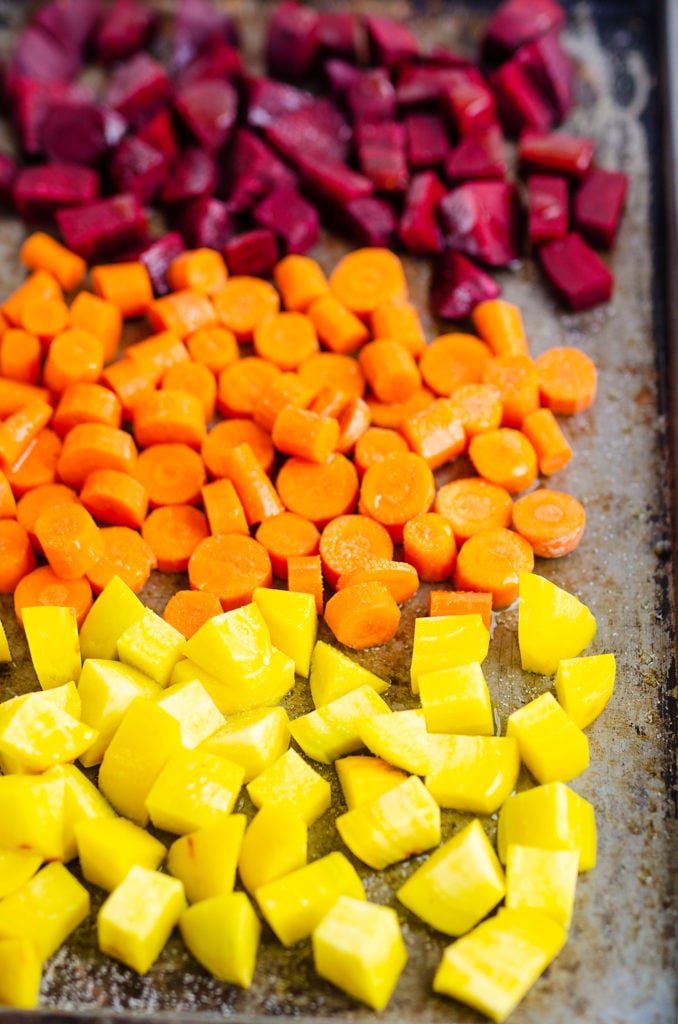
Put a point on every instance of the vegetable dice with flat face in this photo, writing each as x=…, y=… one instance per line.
x=106, y=689
x=543, y=880
x=54, y=644
x=32, y=814
x=552, y=624
x=116, y=608
x=457, y=699
x=275, y=843
x=109, y=847
x=235, y=646
x=20, y=974
x=194, y=788
x=253, y=739
x=585, y=685
x=552, y=817
x=292, y=621
x=291, y=783
x=195, y=711
x=45, y=910
x=399, y=737
x=472, y=773
x=334, y=674
x=446, y=640
x=333, y=730
x=16, y=867
x=151, y=645
x=205, y=860
x=223, y=933
x=552, y=747
x=364, y=778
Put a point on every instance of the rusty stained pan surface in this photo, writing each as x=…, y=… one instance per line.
x=620, y=963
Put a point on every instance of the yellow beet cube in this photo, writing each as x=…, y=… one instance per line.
x=495, y=965
x=37, y=735
x=82, y=802
x=137, y=918
x=551, y=746
x=45, y=910
x=5, y=653
x=585, y=685
x=403, y=821
x=234, y=695
x=114, y=611
x=32, y=814
x=333, y=729
x=457, y=699
x=151, y=645
x=358, y=946
x=206, y=860
x=53, y=644
x=543, y=880
x=234, y=646
x=472, y=773
x=399, y=737
x=194, y=788
x=552, y=624
x=106, y=689
x=109, y=847
x=292, y=622
x=552, y=817
x=333, y=674
x=195, y=711
x=290, y=783
x=275, y=843
x=364, y=778
x=16, y=867
x=444, y=640
x=253, y=739
x=295, y=903
x=458, y=884
x=223, y=934
x=20, y=974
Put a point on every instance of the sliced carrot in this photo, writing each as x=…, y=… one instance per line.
x=199, y=270
x=567, y=379
x=182, y=312
x=543, y=431
x=435, y=433
x=160, y=351
x=130, y=380
x=229, y=434
x=374, y=444
x=127, y=285
x=125, y=554
x=552, y=522
x=491, y=562
x=363, y=615
x=244, y=303
x=7, y=499
x=391, y=414
x=453, y=359
x=215, y=346
x=20, y=356
x=37, y=465
x=286, y=339
x=188, y=610
x=115, y=498
x=349, y=542
x=14, y=395
x=74, y=355
x=500, y=324
x=505, y=457
x=399, y=320
x=319, y=491
x=515, y=378
x=287, y=535
x=305, y=434
x=305, y=576
x=39, y=284
x=429, y=545
x=400, y=578
x=390, y=370
x=43, y=587
x=230, y=566
x=85, y=402
x=338, y=329
x=169, y=416
x=300, y=281
x=354, y=419
x=20, y=429
x=478, y=406
x=241, y=385
x=461, y=602
x=367, y=278
x=33, y=503
x=70, y=539
x=45, y=318
x=395, y=489
x=470, y=505
x=335, y=370
x=285, y=389
x=99, y=317
x=223, y=508
x=16, y=554
x=90, y=446
x=329, y=402
x=253, y=485
x=41, y=251
x=173, y=532
x=172, y=474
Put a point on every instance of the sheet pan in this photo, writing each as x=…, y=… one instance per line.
x=620, y=965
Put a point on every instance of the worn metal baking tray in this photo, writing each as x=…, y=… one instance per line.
x=620, y=965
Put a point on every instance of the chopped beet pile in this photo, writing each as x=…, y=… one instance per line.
x=354, y=127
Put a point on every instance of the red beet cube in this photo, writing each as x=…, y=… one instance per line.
x=138, y=168
x=556, y=153
x=340, y=75
x=75, y=133
x=197, y=25
x=576, y=272
x=253, y=169
x=372, y=97
x=381, y=154
x=157, y=258
x=40, y=191
x=267, y=100
x=209, y=109
x=137, y=86
x=330, y=182
x=159, y=132
x=32, y=100
x=339, y=34
x=291, y=41
x=205, y=223
x=71, y=23
x=194, y=174
x=319, y=128
x=458, y=285
x=482, y=219
x=427, y=140
x=418, y=228
x=516, y=22
x=598, y=206
x=469, y=102
x=520, y=104
x=8, y=173
x=370, y=221
x=252, y=252
x=392, y=44
x=291, y=217
x=548, y=207
x=41, y=57
x=102, y=229
x=477, y=156
x=126, y=27
x=552, y=71
x=219, y=59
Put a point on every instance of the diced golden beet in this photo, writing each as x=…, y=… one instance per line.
x=275, y=843
x=5, y=653
x=45, y=910
x=585, y=685
x=143, y=742
x=472, y=773
x=16, y=867
x=294, y=904
x=445, y=640
x=20, y=974
x=358, y=946
x=234, y=646
x=291, y=784
x=205, y=860
x=552, y=817
x=457, y=699
x=494, y=966
x=114, y=611
x=53, y=644
x=403, y=821
x=37, y=736
x=194, y=788
x=64, y=698
x=364, y=778
x=551, y=746
x=333, y=674
x=223, y=934
x=137, y=918
x=292, y=622
x=195, y=711
x=151, y=645
x=333, y=730
x=552, y=624
x=231, y=696
x=399, y=737
x=106, y=689
x=109, y=847
x=82, y=802
x=253, y=739
x=543, y=880
x=32, y=814
x=458, y=884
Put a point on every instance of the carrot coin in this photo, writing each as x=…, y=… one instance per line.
x=491, y=562
x=552, y=522
x=230, y=566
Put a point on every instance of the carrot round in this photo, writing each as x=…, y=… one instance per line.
x=349, y=541
x=354, y=419
x=43, y=587
x=215, y=347
x=172, y=474
x=42, y=252
x=319, y=491
x=7, y=499
x=285, y=389
x=505, y=457
x=40, y=284
x=478, y=407
x=44, y=319
x=14, y=395
x=20, y=356
x=399, y=320
x=389, y=369
x=339, y=329
x=453, y=359
x=20, y=429
x=491, y=562
x=543, y=431
x=471, y=504
x=461, y=602
x=305, y=576
x=363, y=615
x=182, y=312
x=99, y=317
x=169, y=416
x=70, y=539
x=229, y=434
x=127, y=285
x=241, y=385
x=305, y=434
x=392, y=414
x=90, y=446
x=335, y=370
x=366, y=278
x=395, y=489
x=244, y=303
x=16, y=554
x=286, y=339
x=160, y=351
x=38, y=464
x=400, y=578
x=188, y=610
x=33, y=503
x=287, y=535
x=500, y=324
x=200, y=270
x=83, y=402
x=374, y=444
x=429, y=545
x=230, y=566
x=515, y=378
x=300, y=281
x=130, y=380
x=252, y=484
x=552, y=522
x=223, y=508
x=115, y=498
x=567, y=379
x=435, y=433
x=194, y=379
x=172, y=533
x=73, y=355
x=125, y=554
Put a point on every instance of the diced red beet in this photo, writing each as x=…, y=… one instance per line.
x=371, y=220
x=391, y=42
x=267, y=100
x=40, y=191
x=218, y=59
x=252, y=170
x=32, y=100
x=8, y=173
x=340, y=75
x=193, y=175
x=157, y=257
x=291, y=41
x=420, y=85
x=72, y=23
x=290, y=216
x=418, y=229
x=427, y=140
x=380, y=147
x=252, y=252
x=477, y=156
x=469, y=102
x=576, y=272
x=548, y=204
x=137, y=86
x=39, y=56
x=556, y=153
x=125, y=27
x=340, y=34
x=159, y=132
x=516, y=22
x=482, y=219
x=520, y=105
x=372, y=97
x=74, y=133
x=458, y=285
x=320, y=129
x=598, y=206
x=552, y=71
x=101, y=229
x=197, y=23
x=209, y=109
x=331, y=183
x=205, y=222
x=139, y=168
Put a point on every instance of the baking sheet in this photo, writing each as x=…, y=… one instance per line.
x=620, y=965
